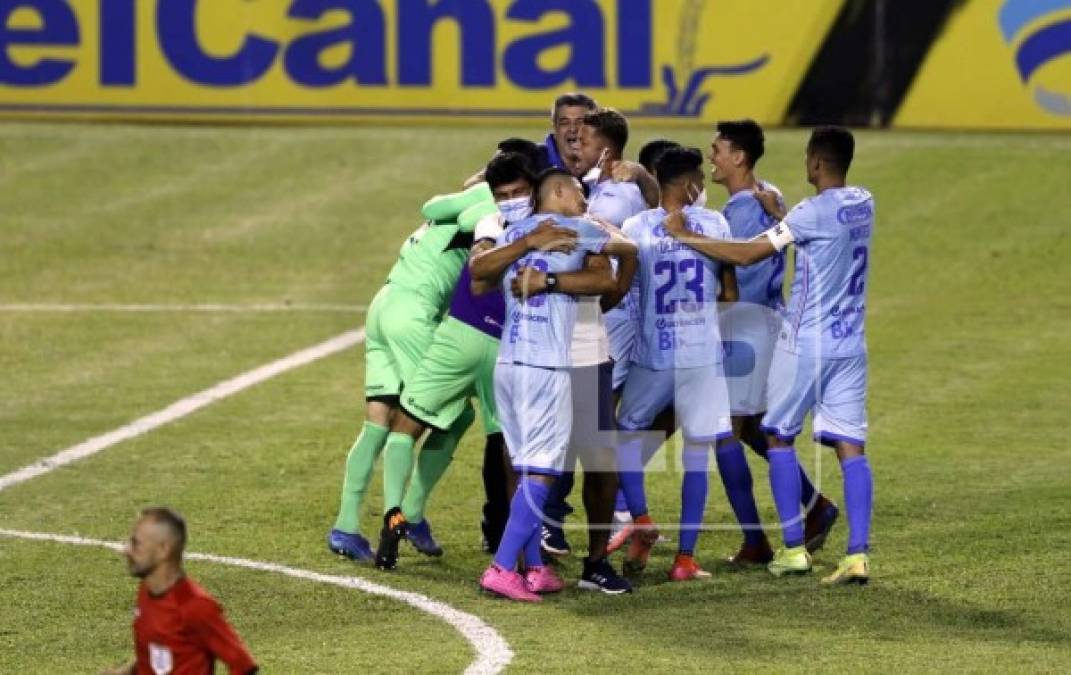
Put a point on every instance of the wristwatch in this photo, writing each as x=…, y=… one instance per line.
x=552, y=282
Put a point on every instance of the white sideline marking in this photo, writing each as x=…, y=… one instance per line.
x=182, y=408
x=63, y=308
x=492, y=652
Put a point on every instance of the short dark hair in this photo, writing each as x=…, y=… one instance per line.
x=172, y=520
x=652, y=150
x=543, y=180
x=745, y=135
x=611, y=125
x=570, y=99
x=508, y=167
x=531, y=151
x=834, y=145
x=676, y=162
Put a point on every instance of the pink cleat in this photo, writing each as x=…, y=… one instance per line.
x=543, y=580
x=507, y=583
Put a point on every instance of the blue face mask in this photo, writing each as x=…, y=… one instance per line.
x=514, y=210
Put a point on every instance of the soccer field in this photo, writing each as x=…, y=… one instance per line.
x=140, y=265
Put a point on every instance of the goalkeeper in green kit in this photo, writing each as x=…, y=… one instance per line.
x=401, y=321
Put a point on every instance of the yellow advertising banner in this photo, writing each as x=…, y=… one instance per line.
x=999, y=64
x=432, y=59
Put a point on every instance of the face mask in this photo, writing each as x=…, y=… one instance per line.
x=514, y=210
x=594, y=175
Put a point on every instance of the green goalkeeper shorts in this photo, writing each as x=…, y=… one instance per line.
x=398, y=330
x=459, y=363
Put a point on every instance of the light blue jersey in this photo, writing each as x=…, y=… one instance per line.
x=826, y=310
x=539, y=329
x=761, y=283
x=679, y=290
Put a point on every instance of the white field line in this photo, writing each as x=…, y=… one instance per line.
x=493, y=654
x=180, y=409
x=210, y=308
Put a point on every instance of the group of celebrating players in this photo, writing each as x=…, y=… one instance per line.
x=594, y=306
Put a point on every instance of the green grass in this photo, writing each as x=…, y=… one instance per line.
x=969, y=318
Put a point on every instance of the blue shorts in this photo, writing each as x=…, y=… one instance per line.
x=698, y=395
x=749, y=335
x=833, y=389
x=535, y=411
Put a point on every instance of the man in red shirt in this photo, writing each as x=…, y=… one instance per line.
x=179, y=628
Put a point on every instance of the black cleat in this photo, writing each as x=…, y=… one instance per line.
x=394, y=529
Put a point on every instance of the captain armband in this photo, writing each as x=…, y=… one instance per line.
x=779, y=235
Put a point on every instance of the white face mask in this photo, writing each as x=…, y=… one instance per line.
x=514, y=210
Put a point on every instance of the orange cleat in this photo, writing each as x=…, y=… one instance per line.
x=686, y=568
x=644, y=536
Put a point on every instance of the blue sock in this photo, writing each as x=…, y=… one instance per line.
x=621, y=504
x=525, y=515
x=785, y=484
x=533, y=550
x=858, y=502
x=736, y=477
x=695, y=459
x=630, y=468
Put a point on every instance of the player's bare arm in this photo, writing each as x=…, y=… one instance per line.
x=596, y=278
x=490, y=265
x=771, y=202
x=731, y=252
x=632, y=172
x=730, y=291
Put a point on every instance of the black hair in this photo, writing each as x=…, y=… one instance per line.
x=676, y=162
x=571, y=99
x=172, y=520
x=834, y=145
x=611, y=125
x=652, y=150
x=537, y=159
x=745, y=135
x=508, y=167
x=542, y=180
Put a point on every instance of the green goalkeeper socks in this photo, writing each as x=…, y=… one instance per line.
x=397, y=466
x=435, y=458
x=359, y=465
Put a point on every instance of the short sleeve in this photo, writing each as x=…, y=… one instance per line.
x=489, y=227
x=802, y=221
x=593, y=236
x=215, y=635
x=631, y=227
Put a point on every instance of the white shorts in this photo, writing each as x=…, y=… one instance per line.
x=699, y=397
x=535, y=410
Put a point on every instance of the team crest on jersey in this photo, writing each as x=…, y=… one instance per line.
x=160, y=659
x=856, y=213
x=512, y=235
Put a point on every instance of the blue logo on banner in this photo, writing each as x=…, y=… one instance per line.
x=1041, y=45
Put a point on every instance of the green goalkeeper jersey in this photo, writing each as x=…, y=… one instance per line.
x=430, y=262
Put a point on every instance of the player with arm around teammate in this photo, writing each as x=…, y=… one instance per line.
x=820, y=365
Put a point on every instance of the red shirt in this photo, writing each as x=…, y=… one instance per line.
x=183, y=632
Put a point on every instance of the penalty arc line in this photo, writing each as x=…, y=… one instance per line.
x=492, y=651
x=493, y=654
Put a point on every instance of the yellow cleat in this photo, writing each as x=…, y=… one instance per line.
x=853, y=569
x=795, y=560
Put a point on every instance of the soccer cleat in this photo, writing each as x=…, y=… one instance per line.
x=543, y=579
x=853, y=569
x=795, y=560
x=819, y=522
x=599, y=575
x=352, y=546
x=419, y=535
x=752, y=554
x=554, y=542
x=686, y=568
x=394, y=527
x=644, y=537
x=620, y=531
x=508, y=584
